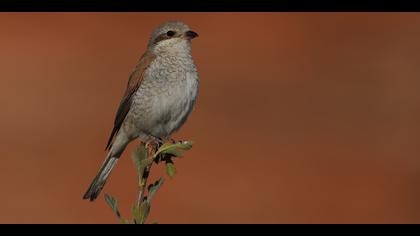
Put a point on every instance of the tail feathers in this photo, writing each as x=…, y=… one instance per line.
x=100, y=179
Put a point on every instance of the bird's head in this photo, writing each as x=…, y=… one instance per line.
x=171, y=36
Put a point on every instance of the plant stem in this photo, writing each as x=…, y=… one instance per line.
x=151, y=150
x=142, y=187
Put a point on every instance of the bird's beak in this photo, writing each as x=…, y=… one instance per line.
x=191, y=34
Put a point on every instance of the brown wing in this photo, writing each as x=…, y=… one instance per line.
x=133, y=84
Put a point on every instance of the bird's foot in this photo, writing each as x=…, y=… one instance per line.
x=155, y=142
x=177, y=142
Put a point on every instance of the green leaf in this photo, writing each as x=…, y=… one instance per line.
x=153, y=188
x=172, y=151
x=170, y=169
x=136, y=215
x=173, y=148
x=142, y=168
x=124, y=221
x=141, y=213
x=143, y=165
x=165, y=145
x=141, y=161
x=185, y=145
x=144, y=211
x=139, y=154
x=113, y=203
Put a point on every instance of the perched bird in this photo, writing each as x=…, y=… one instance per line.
x=160, y=95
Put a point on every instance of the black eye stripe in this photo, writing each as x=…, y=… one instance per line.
x=170, y=33
x=164, y=36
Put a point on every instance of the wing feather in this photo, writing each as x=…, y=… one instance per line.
x=134, y=83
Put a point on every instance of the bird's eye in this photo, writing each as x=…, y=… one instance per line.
x=170, y=33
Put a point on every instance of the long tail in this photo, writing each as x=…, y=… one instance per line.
x=100, y=179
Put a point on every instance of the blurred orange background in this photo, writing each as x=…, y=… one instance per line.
x=301, y=117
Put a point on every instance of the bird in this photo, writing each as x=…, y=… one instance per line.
x=160, y=95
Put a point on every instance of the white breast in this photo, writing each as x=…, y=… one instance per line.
x=173, y=107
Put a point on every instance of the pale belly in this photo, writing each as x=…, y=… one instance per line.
x=160, y=111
